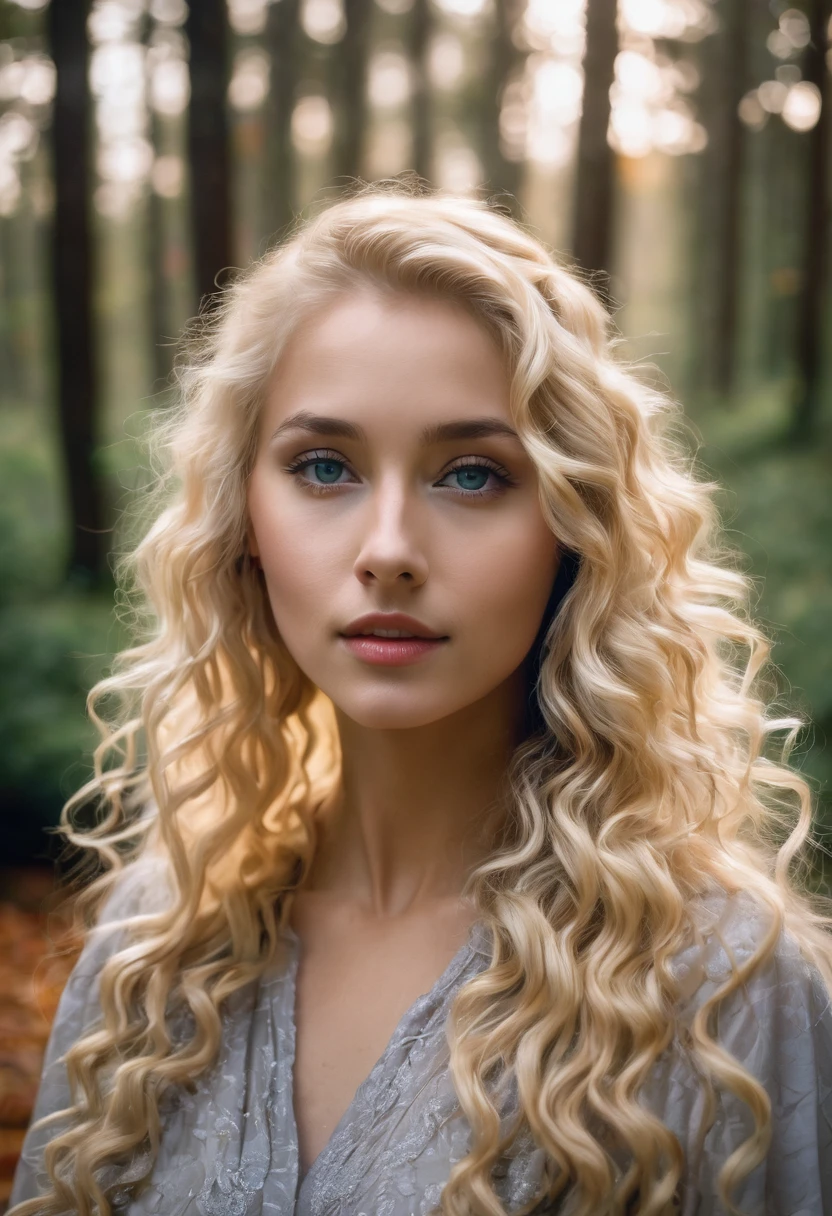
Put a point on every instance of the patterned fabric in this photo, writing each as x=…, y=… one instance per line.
x=229, y=1148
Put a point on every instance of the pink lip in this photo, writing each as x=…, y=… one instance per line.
x=390, y=620
x=392, y=652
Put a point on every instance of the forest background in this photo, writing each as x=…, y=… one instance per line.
x=676, y=149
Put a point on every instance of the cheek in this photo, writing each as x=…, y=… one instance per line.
x=509, y=580
x=296, y=561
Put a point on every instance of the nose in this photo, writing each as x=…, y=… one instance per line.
x=389, y=546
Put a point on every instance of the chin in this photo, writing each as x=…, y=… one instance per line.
x=383, y=715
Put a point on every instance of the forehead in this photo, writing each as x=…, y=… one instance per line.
x=390, y=358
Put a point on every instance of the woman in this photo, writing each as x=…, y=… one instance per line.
x=495, y=916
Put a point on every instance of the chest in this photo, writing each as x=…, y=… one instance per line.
x=352, y=990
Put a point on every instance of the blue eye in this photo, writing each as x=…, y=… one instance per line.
x=324, y=470
x=472, y=475
x=466, y=473
x=327, y=469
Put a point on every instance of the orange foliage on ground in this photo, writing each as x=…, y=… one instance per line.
x=37, y=953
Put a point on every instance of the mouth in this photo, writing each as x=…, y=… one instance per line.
x=398, y=651
x=395, y=635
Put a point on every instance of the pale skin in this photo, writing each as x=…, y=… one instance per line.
x=425, y=747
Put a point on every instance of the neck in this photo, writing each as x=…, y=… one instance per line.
x=417, y=810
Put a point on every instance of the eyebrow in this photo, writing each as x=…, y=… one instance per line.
x=462, y=428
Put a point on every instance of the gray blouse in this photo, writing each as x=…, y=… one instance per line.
x=230, y=1147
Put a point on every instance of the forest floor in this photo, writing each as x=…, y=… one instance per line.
x=37, y=953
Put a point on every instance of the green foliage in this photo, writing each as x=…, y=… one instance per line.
x=777, y=509
x=55, y=641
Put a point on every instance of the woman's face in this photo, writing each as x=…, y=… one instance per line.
x=356, y=508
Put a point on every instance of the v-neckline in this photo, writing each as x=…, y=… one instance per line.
x=304, y=1181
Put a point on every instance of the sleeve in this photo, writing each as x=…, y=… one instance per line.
x=779, y=1027
x=78, y=1009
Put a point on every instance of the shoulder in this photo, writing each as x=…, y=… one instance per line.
x=728, y=930
x=777, y=1026
x=142, y=888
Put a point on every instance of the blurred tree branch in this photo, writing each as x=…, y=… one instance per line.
x=811, y=309
x=421, y=20
x=350, y=106
x=594, y=180
x=506, y=62
x=729, y=146
x=282, y=42
x=72, y=279
x=208, y=143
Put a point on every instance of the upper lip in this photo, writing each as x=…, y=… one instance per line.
x=390, y=620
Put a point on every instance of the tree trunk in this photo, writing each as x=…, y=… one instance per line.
x=208, y=144
x=158, y=293
x=421, y=21
x=811, y=311
x=505, y=65
x=279, y=186
x=702, y=195
x=156, y=250
x=350, y=100
x=157, y=242
x=72, y=280
x=13, y=378
x=773, y=138
x=729, y=147
x=592, y=226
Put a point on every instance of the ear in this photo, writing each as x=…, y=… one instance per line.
x=251, y=539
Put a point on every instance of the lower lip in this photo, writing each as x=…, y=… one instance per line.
x=392, y=652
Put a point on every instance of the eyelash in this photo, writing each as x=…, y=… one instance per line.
x=480, y=462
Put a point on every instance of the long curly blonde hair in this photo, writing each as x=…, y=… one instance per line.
x=646, y=777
